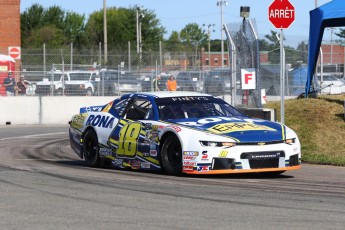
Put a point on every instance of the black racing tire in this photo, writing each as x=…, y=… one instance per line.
x=91, y=149
x=171, y=155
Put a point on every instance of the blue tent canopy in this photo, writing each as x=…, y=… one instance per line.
x=331, y=14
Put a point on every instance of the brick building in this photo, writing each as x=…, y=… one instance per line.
x=10, y=27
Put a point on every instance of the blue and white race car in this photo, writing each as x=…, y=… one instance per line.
x=182, y=132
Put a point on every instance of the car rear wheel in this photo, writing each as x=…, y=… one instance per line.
x=91, y=149
x=171, y=155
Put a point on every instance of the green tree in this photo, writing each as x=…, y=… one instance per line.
x=174, y=43
x=192, y=36
x=54, y=15
x=30, y=20
x=50, y=35
x=74, y=28
x=121, y=27
x=52, y=26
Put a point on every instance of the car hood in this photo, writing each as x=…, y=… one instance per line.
x=241, y=129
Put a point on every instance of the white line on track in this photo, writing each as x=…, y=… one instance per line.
x=32, y=136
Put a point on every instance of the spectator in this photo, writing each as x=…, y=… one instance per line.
x=156, y=83
x=171, y=83
x=22, y=86
x=9, y=84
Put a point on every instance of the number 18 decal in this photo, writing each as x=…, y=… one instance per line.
x=128, y=138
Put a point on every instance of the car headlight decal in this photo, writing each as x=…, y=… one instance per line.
x=217, y=144
x=290, y=141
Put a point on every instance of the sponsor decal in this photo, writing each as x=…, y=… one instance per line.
x=146, y=154
x=157, y=127
x=135, y=164
x=100, y=121
x=148, y=126
x=223, y=153
x=105, y=152
x=189, y=157
x=78, y=120
x=118, y=162
x=108, y=107
x=203, y=168
x=205, y=121
x=204, y=155
x=189, y=163
x=265, y=156
x=238, y=126
x=153, y=153
x=145, y=165
x=189, y=99
x=190, y=153
x=176, y=128
x=187, y=168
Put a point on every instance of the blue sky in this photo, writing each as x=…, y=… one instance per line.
x=174, y=15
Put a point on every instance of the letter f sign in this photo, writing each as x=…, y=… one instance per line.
x=248, y=78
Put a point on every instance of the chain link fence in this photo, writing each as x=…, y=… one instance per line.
x=74, y=71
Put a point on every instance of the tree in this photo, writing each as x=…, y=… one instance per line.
x=30, y=20
x=122, y=27
x=174, y=42
x=192, y=36
x=74, y=28
x=52, y=26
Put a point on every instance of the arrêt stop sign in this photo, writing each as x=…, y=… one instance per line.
x=281, y=13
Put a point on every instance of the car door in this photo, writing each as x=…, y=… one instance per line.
x=133, y=136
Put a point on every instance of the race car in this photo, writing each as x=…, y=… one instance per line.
x=182, y=132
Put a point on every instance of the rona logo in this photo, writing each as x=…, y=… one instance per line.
x=100, y=121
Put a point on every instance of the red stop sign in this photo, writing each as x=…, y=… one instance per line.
x=281, y=13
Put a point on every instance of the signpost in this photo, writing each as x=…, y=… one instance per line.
x=14, y=52
x=281, y=14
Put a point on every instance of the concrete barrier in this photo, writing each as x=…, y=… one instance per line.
x=59, y=110
x=44, y=110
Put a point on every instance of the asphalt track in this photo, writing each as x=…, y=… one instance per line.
x=44, y=185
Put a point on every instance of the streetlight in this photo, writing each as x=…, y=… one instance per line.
x=209, y=30
x=221, y=3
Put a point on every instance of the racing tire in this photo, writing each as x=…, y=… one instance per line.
x=171, y=156
x=91, y=149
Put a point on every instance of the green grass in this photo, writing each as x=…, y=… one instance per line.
x=320, y=126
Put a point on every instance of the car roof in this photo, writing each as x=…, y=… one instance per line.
x=166, y=94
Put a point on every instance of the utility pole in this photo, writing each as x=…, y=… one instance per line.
x=221, y=3
x=105, y=33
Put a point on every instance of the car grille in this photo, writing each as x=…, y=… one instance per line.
x=263, y=159
x=72, y=89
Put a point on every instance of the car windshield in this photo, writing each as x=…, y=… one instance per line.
x=194, y=107
x=80, y=76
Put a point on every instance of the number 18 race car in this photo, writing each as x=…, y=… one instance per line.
x=182, y=132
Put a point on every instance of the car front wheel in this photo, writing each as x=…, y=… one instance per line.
x=171, y=155
x=91, y=149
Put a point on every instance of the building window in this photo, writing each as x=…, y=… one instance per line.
x=216, y=61
x=225, y=60
x=207, y=61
